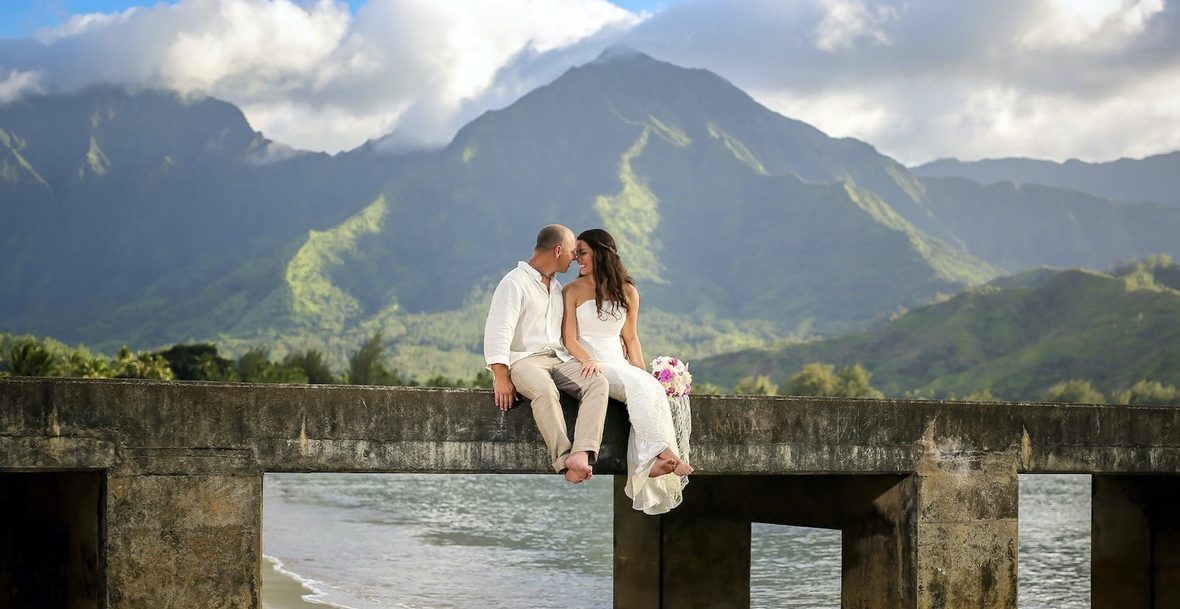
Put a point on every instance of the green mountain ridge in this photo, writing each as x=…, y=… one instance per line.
x=1014, y=337
x=123, y=190
x=1019, y=226
x=389, y=260
x=1153, y=178
x=159, y=219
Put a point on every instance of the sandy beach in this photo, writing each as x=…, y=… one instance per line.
x=282, y=591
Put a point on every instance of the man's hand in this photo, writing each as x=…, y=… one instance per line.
x=503, y=387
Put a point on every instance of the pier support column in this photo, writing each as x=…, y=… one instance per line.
x=680, y=560
x=877, y=544
x=1135, y=543
x=965, y=528
x=184, y=541
x=50, y=540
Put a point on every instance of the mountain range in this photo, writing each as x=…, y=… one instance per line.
x=149, y=218
x=1152, y=179
x=1014, y=337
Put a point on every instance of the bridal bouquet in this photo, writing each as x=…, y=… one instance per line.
x=673, y=374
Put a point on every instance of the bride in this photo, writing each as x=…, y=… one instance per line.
x=601, y=306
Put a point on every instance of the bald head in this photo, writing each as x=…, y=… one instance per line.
x=552, y=236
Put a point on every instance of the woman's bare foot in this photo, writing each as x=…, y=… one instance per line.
x=666, y=463
x=662, y=466
x=577, y=467
x=682, y=469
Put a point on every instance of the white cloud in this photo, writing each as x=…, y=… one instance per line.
x=17, y=83
x=1076, y=22
x=846, y=22
x=309, y=73
x=919, y=79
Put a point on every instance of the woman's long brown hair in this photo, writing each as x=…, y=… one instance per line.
x=610, y=276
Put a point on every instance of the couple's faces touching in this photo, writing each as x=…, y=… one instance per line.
x=584, y=257
x=567, y=252
x=571, y=251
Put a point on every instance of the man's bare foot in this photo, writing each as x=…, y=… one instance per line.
x=577, y=467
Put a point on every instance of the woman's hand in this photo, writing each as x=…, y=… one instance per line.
x=589, y=368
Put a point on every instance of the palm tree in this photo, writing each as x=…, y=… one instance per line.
x=30, y=358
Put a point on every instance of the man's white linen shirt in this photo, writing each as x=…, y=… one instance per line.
x=524, y=318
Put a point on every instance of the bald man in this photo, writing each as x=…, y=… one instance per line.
x=523, y=349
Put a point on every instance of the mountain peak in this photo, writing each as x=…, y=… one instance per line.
x=620, y=52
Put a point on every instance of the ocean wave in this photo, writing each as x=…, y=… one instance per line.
x=315, y=594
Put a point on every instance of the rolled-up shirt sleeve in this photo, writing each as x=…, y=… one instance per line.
x=500, y=328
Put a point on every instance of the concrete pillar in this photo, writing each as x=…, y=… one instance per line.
x=1135, y=543
x=679, y=560
x=50, y=540
x=637, y=554
x=877, y=546
x=180, y=541
x=965, y=529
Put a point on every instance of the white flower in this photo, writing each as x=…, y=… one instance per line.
x=672, y=374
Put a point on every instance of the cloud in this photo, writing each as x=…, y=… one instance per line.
x=310, y=73
x=847, y=21
x=919, y=79
x=16, y=83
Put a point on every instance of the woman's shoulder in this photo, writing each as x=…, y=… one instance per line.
x=630, y=291
x=578, y=287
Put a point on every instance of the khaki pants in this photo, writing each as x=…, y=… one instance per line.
x=538, y=377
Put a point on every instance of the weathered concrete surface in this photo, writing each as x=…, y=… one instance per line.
x=1136, y=542
x=213, y=427
x=686, y=559
x=184, y=541
x=924, y=492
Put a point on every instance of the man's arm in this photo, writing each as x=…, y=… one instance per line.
x=503, y=316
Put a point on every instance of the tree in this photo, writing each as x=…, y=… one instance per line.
x=312, y=363
x=255, y=367
x=980, y=395
x=28, y=357
x=1149, y=392
x=1074, y=391
x=756, y=385
x=815, y=379
x=820, y=379
x=853, y=382
x=198, y=362
x=142, y=365
x=483, y=379
x=365, y=367
x=84, y=365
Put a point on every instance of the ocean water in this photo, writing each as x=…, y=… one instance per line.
x=449, y=541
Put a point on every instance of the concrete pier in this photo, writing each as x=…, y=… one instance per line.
x=129, y=494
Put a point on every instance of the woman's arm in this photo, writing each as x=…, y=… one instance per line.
x=631, y=328
x=569, y=329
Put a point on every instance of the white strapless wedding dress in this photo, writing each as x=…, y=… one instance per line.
x=647, y=405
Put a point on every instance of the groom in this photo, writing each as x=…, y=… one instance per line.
x=523, y=349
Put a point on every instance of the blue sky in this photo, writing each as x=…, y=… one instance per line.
x=918, y=79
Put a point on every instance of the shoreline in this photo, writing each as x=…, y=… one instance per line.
x=282, y=589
